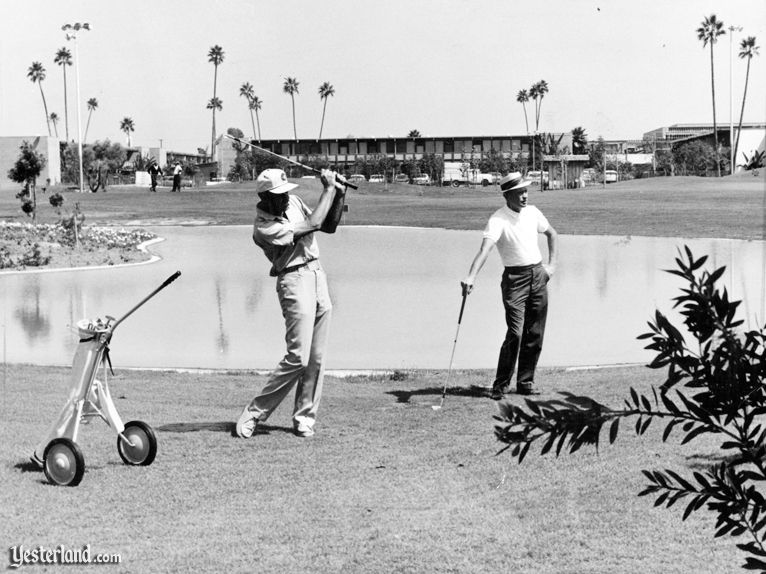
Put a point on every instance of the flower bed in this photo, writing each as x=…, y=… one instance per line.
x=29, y=245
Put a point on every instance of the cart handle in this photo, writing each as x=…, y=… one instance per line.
x=165, y=283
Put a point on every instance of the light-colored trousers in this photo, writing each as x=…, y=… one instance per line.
x=307, y=309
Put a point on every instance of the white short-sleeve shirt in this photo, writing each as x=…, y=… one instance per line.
x=515, y=234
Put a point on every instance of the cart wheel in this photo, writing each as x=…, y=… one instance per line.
x=64, y=464
x=144, y=443
x=455, y=183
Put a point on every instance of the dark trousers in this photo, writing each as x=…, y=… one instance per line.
x=154, y=181
x=525, y=298
x=176, y=183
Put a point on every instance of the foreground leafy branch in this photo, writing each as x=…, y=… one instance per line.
x=713, y=385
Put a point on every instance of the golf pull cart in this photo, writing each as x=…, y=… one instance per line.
x=58, y=452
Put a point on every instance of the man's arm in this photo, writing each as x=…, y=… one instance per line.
x=317, y=217
x=477, y=264
x=552, y=238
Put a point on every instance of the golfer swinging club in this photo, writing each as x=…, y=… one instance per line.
x=284, y=228
x=514, y=228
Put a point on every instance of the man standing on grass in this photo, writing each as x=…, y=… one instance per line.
x=514, y=229
x=154, y=172
x=177, y=177
x=284, y=229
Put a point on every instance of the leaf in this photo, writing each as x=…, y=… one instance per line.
x=613, y=429
x=634, y=396
x=661, y=498
x=694, y=433
x=524, y=451
x=754, y=564
x=668, y=429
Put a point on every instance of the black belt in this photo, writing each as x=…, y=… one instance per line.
x=294, y=267
x=522, y=268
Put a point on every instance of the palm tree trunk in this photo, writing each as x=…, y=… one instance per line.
x=45, y=107
x=66, y=107
x=87, y=125
x=526, y=120
x=321, y=126
x=257, y=119
x=741, y=113
x=295, y=130
x=252, y=121
x=212, y=139
x=715, y=124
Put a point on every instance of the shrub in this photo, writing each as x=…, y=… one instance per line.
x=715, y=386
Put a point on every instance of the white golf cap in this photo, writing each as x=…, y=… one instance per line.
x=273, y=181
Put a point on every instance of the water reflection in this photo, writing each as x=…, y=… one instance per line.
x=31, y=315
x=396, y=299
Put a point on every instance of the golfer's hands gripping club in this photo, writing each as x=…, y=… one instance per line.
x=466, y=286
x=331, y=178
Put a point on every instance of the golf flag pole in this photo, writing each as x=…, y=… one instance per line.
x=452, y=356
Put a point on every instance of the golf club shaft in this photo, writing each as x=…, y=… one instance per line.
x=287, y=159
x=454, y=346
x=165, y=283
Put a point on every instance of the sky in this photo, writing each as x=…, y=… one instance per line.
x=442, y=67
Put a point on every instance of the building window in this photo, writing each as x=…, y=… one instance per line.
x=401, y=146
x=429, y=146
x=372, y=147
x=449, y=146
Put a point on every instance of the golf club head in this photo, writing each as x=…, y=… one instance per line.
x=436, y=407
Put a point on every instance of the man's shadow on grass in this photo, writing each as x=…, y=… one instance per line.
x=474, y=391
x=223, y=426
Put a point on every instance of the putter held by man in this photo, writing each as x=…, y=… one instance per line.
x=514, y=229
x=285, y=230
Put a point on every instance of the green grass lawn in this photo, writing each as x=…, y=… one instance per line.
x=662, y=207
x=386, y=485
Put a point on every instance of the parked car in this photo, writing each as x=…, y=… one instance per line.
x=401, y=178
x=610, y=176
x=356, y=178
x=422, y=179
x=377, y=178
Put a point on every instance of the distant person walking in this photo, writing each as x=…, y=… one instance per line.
x=154, y=171
x=285, y=230
x=514, y=229
x=177, y=177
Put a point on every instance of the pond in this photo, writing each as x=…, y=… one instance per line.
x=396, y=293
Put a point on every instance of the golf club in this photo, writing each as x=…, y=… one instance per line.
x=454, y=345
x=351, y=185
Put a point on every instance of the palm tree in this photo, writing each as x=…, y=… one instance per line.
x=36, y=73
x=747, y=49
x=127, y=126
x=214, y=104
x=709, y=32
x=246, y=90
x=539, y=89
x=64, y=58
x=92, y=105
x=291, y=87
x=579, y=140
x=54, y=117
x=523, y=97
x=215, y=57
x=325, y=91
x=413, y=134
x=255, y=105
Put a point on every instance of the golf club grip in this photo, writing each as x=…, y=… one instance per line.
x=462, y=307
x=346, y=183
